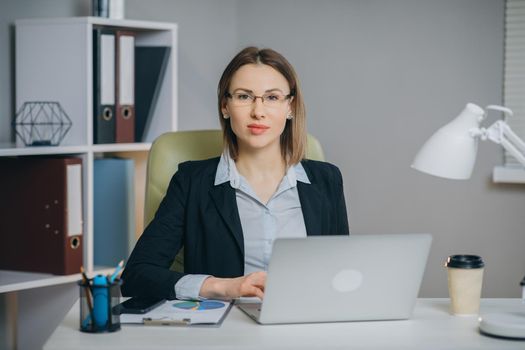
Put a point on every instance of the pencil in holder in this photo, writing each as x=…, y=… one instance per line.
x=98, y=297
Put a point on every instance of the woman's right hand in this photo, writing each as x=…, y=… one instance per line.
x=251, y=285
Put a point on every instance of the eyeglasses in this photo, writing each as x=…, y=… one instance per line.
x=271, y=99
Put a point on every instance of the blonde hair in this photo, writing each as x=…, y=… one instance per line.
x=293, y=138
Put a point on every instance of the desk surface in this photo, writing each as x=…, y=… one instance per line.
x=431, y=327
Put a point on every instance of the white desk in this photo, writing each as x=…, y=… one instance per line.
x=431, y=327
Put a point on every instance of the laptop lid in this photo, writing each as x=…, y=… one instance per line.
x=344, y=278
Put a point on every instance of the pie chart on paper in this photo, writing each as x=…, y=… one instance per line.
x=198, y=305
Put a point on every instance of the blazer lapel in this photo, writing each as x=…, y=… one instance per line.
x=312, y=206
x=224, y=197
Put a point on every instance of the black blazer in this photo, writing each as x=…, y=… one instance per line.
x=205, y=220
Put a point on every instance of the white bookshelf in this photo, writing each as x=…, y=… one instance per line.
x=54, y=63
x=13, y=281
x=11, y=150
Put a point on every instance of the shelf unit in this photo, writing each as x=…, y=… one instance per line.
x=54, y=63
x=13, y=281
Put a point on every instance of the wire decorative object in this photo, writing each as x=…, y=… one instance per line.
x=41, y=123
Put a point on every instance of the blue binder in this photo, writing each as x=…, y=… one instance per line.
x=114, y=210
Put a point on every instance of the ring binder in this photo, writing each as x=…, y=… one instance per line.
x=125, y=87
x=104, y=85
x=48, y=191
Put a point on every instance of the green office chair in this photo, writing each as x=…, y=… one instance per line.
x=172, y=148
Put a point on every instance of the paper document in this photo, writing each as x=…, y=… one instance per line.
x=181, y=312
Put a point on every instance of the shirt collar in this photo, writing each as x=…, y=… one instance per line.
x=227, y=171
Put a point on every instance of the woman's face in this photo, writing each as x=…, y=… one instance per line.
x=258, y=125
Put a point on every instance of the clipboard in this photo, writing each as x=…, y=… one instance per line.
x=185, y=313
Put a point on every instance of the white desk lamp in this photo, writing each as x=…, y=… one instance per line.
x=451, y=153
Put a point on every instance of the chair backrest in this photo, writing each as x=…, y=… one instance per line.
x=164, y=157
x=172, y=148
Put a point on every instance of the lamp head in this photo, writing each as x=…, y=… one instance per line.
x=451, y=151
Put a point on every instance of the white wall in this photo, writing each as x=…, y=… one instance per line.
x=10, y=10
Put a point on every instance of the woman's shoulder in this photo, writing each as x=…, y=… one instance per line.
x=319, y=171
x=317, y=166
x=198, y=167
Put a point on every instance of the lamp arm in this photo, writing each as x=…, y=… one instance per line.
x=505, y=110
x=501, y=133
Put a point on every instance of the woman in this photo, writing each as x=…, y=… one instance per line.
x=227, y=211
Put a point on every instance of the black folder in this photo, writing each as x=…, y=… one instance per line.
x=104, y=77
x=150, y=68
x=41, y=228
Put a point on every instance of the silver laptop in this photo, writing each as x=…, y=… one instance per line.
x=342, y=278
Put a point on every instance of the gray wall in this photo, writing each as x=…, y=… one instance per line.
x=379, y=77
x=207, y=38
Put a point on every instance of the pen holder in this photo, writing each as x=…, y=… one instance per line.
x=98, y=297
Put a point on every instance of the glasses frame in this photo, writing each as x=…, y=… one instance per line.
x=255, y=97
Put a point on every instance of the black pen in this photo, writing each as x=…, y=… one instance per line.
x=87, y=286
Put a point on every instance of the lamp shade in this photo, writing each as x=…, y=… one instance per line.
x=451, y=151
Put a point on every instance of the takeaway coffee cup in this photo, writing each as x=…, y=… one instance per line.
x=465, y=277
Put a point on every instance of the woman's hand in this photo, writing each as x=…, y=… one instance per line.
x=251, y=285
